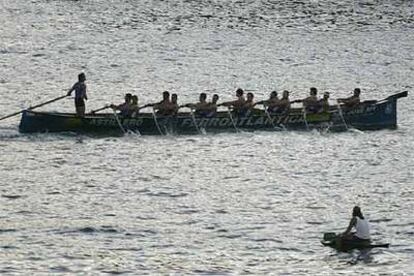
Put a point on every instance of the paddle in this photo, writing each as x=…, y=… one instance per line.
x=232, y=120
x=341, y=114
x=119, y=122
x=100, y=109
x=33, y=107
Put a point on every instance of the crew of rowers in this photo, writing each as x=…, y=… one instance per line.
x=241, y=106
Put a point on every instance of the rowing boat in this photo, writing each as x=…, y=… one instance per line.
x=369, y=115
x=337, y=242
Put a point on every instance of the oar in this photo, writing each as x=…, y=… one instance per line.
x=33, y=107
x=341, y=114
x=194, y=121
x=156, y=122
x=232, y=121
x=119, y=122
x=100, y=109
x=270, y=118
x=305, y=119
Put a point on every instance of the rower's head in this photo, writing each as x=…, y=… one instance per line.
x=285, y=94
x=250, y=96
x=128, y=97
x=273, y=94
x=134, y=99
x=356, y=212
x=81, y=77
x=215, y=98
x=357, y=91
x=203, y=97
x=239, y=92
x=326, y=95
x=165, y=95
x=313, y=91
x=174, y=98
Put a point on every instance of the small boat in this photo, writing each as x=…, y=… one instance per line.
x=369, y=115
x=337, y=242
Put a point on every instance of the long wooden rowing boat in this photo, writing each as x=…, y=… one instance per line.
x=337, y=242
x=369, y=115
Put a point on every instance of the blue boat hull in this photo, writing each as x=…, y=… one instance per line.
x=367, y=116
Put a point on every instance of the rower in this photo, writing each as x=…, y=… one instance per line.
x=249, y=104
x=80, y=94
x=310, y=103
x=124, y=107
x=202, y=107
x=324, y=103
x=212, y=106
x=173, y=107
x=273, y=99
x=352, y=101
x=283, y=105
x=236, y=104
x=133, y=108
x=163, y=106
x=361, y=226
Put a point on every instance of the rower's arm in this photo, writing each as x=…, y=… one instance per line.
x=71, y=90
x=350, y=226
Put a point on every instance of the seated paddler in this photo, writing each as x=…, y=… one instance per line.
x=324, y=103
x=352, y=101
x=310, y=103
x=212, y=106
x=278, y=106
x=124, y=107
x=162, y=107
x=134, y=108
x=173, y=106
x=283, y=106
x=270, y=103
x=249, y=104
x=202, y=107
x=361, y=225
x=238, y=104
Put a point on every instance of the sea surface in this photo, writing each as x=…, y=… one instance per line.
x=214, y=204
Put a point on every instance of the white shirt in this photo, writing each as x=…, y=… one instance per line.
x=362, y=229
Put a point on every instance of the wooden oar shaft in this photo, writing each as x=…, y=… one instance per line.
x=100, y=109
x=33, y=107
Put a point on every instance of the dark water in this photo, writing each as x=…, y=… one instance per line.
x=248, y=203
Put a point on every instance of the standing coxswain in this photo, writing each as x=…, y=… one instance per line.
x=80, y=94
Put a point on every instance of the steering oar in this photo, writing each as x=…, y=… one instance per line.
x=33, y=107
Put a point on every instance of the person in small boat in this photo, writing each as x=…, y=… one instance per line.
x=202, y=107
x=310, y=103
x=80, y=95
x=324, y=103
x=124, y=107
x=352, y=101
x=237, y=105
x=361, y=225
